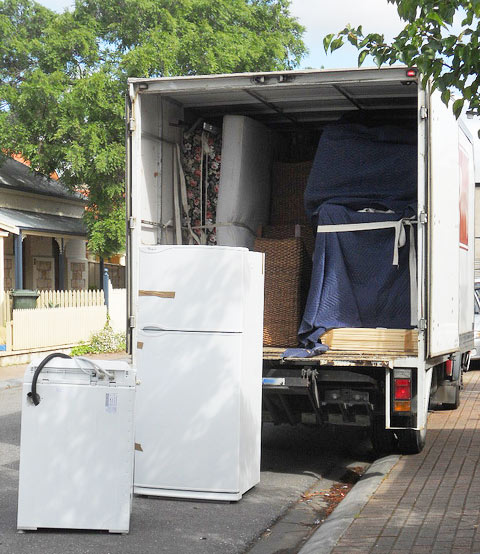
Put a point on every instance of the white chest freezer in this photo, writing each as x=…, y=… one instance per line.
x=77, y=444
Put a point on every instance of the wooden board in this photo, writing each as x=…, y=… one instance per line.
x=334, y=358
x=348, y=339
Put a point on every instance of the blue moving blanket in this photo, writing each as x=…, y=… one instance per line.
x=361, y=167
x=354, y=283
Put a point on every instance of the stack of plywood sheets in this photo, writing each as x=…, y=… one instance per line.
x=398, y=341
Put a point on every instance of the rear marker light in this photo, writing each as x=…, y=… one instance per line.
x=411, y=72
x=402, y=389
x=449, y=368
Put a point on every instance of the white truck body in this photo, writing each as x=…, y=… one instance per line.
x=157, y=109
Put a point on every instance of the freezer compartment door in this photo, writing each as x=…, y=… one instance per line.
x=188, y=411
x=191, y=288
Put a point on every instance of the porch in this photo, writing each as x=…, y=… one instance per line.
x=40, y=252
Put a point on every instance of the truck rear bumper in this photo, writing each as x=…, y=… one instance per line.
x=337, y=397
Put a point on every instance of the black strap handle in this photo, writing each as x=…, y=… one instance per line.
x=33, y=395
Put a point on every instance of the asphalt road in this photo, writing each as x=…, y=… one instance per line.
x=293, y=460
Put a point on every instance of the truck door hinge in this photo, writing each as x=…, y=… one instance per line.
x=131, y=222
x=422, y=324
x=423, y=217
x=131, y=321
x=131, y=124
x=423, y=112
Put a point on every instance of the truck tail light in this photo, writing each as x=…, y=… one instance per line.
x=403, y=389
x=402, y=395
x=449, y=368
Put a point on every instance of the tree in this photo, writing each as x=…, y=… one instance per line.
x=431, y=42
x=63, y=79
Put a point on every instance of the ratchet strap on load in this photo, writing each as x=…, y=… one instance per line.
x=399, y=242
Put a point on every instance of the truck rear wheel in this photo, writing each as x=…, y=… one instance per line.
x=383, y=440
x=411, y=441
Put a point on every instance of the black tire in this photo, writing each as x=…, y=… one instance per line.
x=411, y=441
x=383, y=440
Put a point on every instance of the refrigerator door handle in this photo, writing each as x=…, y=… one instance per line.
x=153, y=328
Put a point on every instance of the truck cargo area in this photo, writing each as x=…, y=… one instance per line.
x=188, y=136
x=291, y=110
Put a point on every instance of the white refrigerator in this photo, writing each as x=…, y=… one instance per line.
x=198, y=355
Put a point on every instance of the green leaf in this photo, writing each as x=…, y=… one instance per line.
x=458, y=107
x=445, y=97
x=327, y=41
x=352, y=38
x=336, y=44
x=361, y=57
x=378, y=59
x=433, y=16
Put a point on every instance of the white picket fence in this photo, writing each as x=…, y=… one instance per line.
x=70, y=298
x=63, y=318
x=44, y=327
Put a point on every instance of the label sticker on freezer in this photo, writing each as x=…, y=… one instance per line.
x=111, y=402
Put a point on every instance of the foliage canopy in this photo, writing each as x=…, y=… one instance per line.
x=440, y=37
x=63, y=79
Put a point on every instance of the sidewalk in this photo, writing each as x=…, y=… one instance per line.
x=429, y=502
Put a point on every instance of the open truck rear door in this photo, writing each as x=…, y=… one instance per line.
x=443, y=230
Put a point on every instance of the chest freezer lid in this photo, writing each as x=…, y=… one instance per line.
x=81, y=371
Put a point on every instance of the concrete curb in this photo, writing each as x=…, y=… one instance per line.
x=324, y=540
x=10, y=384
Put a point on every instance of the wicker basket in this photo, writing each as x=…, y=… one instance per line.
x=288, y=185
x=304, y=232
x=287, y=276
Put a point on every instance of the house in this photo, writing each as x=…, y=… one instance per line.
x=42, y=234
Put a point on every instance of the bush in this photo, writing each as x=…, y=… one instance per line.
x=105, y=340
x=81, y=349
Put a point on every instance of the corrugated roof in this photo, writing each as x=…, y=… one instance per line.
x=17, y=176
x=33, y=221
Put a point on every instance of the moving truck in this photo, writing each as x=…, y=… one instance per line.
x=386, y=392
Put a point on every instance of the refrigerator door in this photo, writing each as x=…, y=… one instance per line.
x=188, y=414
x=191, y=288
